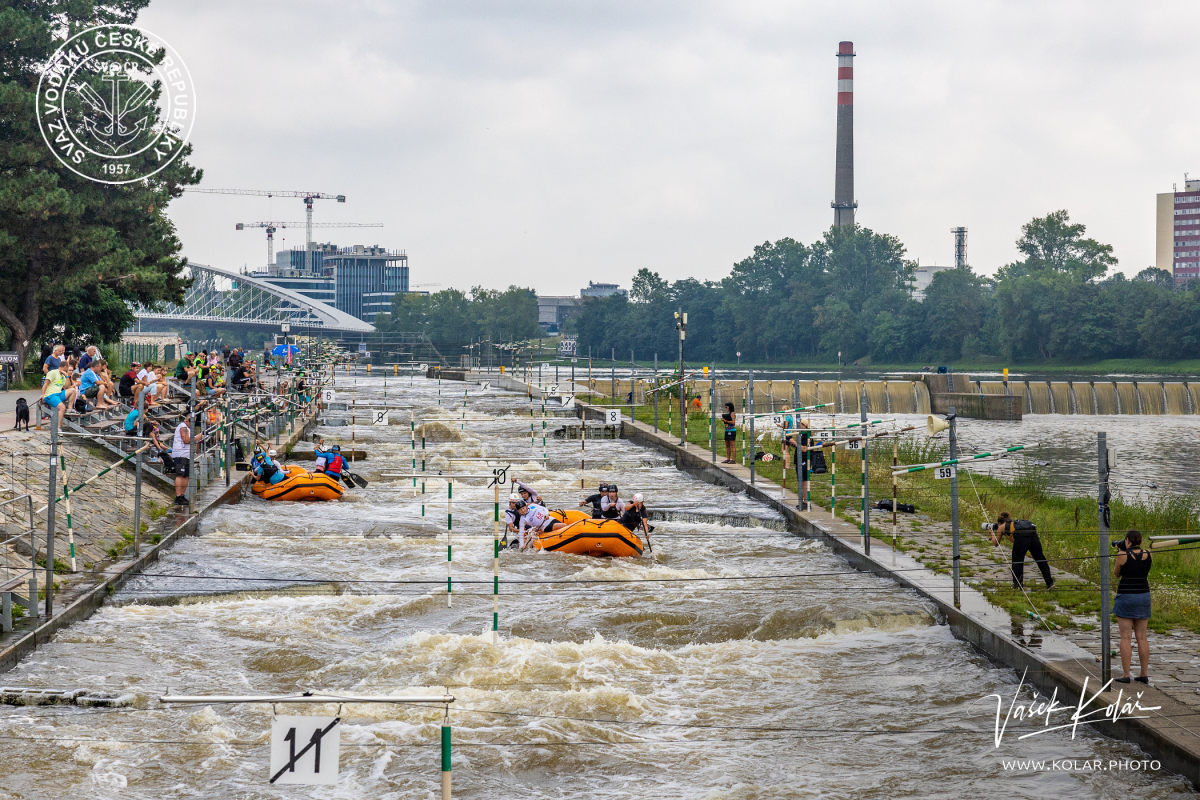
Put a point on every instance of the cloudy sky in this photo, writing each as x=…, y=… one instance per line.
x=549, y=142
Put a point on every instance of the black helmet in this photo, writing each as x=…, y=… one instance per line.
x=612, y=487
x=337, y=448
x=603, y=488
x=519, y=505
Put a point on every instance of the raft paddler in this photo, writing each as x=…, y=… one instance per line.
x=527, y=493
x=634, y=515
x=595, y=500
x=264, y=466
x=610, y=505
x=511, y=517
x=536, y=519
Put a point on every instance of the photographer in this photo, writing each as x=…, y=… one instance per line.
x=1024, y=540
x=1132, y=604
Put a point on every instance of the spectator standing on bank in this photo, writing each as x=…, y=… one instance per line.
x=1131, y=606
x=1025, y=540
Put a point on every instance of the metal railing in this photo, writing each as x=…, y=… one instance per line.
x=15, y=578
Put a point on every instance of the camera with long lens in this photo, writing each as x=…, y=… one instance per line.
x=1120, y=545
x=988, y=526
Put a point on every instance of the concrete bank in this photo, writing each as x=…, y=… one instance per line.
x=1170, y=734
x=84, y=598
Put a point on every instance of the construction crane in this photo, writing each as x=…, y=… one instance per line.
x=271, y=227
x=308, y=208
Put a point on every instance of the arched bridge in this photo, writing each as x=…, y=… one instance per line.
x=223, y=297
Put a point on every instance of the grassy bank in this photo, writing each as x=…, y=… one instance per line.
x=1112, y=366
x=1067, y=526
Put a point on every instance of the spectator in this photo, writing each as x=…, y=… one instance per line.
x=1024, y=540
x=52, y=360
x=1131, y=606
x=91, y=388
x=58, y=390
x=181, y=453
x=128, y=382
x=148, y=379
x=89, y=355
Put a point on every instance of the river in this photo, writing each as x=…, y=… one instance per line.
x=728, y=663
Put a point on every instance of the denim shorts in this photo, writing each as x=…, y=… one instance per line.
x=1132, y=606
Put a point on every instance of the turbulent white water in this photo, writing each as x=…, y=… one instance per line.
x=672, y=676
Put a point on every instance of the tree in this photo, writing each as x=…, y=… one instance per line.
x=64, y=238
x=1053, y=245
x=956, y=307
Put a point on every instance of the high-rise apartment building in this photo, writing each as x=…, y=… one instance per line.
x=1177, y=233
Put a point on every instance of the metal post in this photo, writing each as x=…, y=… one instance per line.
x=449, y=545
x=613, y=377
x=753, y=443
x=1105, y=610
x=801, y=500
x=190, y=414
x=50, y=514
x=137, y=485
x=682, y=393
x=656, y=393
x=954, y=505
x=712, y=407
x=866, y=513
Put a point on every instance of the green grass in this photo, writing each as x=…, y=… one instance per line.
x=1133, y=366
x=1068, y=526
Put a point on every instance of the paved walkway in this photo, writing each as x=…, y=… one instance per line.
x=8, y=405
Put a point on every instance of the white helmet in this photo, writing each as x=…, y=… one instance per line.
x=512, y=498
x=637, y=498
x=272, y=453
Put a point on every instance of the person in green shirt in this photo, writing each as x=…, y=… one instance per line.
x=58, y=390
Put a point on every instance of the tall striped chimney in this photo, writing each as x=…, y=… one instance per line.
x=843, y=183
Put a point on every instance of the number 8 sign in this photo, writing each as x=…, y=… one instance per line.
x=612, y=416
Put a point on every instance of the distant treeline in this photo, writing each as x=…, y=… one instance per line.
x=849, y=293
x=453, y=319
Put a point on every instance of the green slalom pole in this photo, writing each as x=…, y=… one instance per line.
x=952, y=461
x=447, y=767
x=496, y=565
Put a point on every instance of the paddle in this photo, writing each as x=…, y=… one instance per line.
x=359, y=480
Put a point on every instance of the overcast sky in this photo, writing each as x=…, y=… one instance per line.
x=546, y=143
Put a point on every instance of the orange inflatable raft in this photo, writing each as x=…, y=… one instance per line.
x=589, y=537
x=300, y=484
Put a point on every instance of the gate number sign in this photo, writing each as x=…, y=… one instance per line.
x=612, y=416
x=329, y=396
x=305, y=750
x=380, y=418
x=943, y=472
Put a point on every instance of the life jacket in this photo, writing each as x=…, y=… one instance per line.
x=265, y=465
x=335, y=464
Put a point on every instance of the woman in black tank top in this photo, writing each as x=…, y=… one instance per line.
x=1132, y=604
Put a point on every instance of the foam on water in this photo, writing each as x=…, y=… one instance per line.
x=749, y=688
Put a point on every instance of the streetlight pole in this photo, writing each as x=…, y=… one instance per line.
x=681, y=326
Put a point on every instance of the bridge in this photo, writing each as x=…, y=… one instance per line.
x=224, y=297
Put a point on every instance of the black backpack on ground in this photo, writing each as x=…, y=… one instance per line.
x=816, y=462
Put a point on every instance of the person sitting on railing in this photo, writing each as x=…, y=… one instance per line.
x=58, y=390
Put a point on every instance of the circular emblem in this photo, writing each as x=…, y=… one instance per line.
x=115, y=104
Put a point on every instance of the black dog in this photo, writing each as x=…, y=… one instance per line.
x=22, y=413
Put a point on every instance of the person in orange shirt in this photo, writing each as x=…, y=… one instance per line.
x=696, y=405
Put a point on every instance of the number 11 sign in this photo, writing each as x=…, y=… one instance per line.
x=305, y=750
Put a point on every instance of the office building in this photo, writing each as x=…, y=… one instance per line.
x=359, y=280
x=1177, y=232
x=602, y=290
